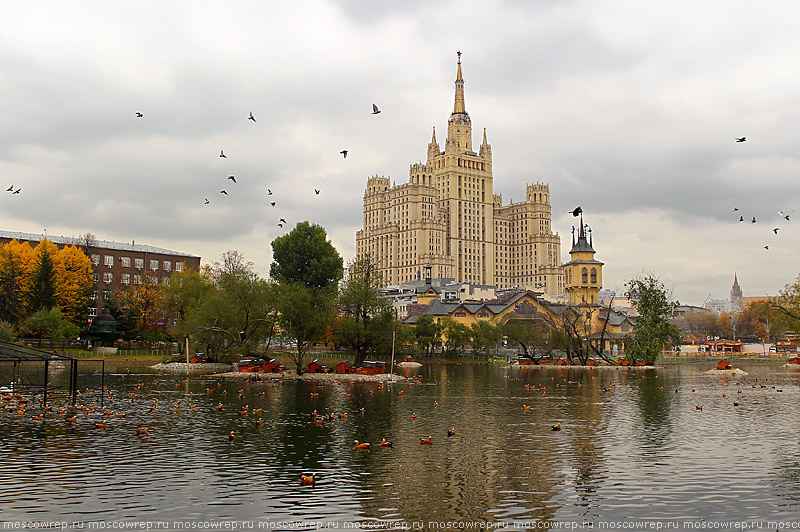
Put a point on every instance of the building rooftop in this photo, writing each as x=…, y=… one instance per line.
x=105, y=244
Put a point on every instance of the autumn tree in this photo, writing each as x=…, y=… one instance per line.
x=12, y=293
x=75, y=286
x=145, y=302
x=787, y=305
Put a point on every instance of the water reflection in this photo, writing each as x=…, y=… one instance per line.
x=630, y=447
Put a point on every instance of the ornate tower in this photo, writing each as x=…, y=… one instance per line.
x=736, y=295
x=583, y=275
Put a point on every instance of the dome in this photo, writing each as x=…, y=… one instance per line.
x=104, y=317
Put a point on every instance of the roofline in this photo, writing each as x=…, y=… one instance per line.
x=102, y=244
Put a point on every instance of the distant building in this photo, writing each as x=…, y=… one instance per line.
x=116, y=265
x=448, y=216
x=736, y=295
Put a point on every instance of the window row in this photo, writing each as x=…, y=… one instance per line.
x=108, y=261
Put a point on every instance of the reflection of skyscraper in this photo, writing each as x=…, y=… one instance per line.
x=449, y=217
x=736, y=295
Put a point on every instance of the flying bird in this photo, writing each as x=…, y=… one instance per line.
x=272, y=203
x=787, y=218
x=280, y=225
x=222, y=154
x=139, y=115
x=375, y=109
x=251, y=117
x=282, y=220
x=316, y=190
x=766, y=247
x=741, y=218
x=207, y=202
x=269, y=192
x=223, y=192
x=9, y=189
x=775, y=230
x=735, y=209
x=232, y=178
x=741, y=139
x=344, y=153
x=17, y=191
x=753, y=220
x=576, y=211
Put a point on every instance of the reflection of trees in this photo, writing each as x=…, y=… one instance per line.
x=654, y=399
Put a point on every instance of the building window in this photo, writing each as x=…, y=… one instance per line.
x=594, y=275
x=93, y=296
x=154, y=265
x=584, y=275
x=92, y=311
x=179, y=266
x=126, y=262
x=96, y=277
x=108, y=260
x=95, y=260
x=165, y=281
x=139, y=263
x=106, y=295
x=167, y=265
x=137, y=279
x=108, y=277
x=126, y=279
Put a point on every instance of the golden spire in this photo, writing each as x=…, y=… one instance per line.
x=459, y=106
x=484, y=136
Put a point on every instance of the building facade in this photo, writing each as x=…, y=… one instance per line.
x=116, y=265
x=448, y=216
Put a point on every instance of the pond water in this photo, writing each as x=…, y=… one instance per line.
x=633, y=446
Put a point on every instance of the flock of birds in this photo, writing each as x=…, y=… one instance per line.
x=786, y=217
x=273, y=203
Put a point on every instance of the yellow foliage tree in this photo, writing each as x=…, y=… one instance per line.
x=74, y=273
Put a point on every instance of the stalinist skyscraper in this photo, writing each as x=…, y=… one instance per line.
x=448, y=216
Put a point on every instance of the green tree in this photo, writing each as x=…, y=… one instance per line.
x=43, y=287
x=305, y=255
x=652, y=329
x=485, y=335
x=428, y=333
x=49, y=323
x=530, y=335
x=307, y=269
x=456, y=335
x=367, y=319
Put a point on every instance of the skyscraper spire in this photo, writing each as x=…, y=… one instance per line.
x=459, y=106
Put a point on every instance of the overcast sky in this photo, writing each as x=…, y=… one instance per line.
x=628, y=109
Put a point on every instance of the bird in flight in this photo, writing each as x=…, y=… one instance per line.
x=232, y=178
x=251, y=117
x=316, y=191
x=207, y=202
x=269, y=192
x=17, y=191
x=775, y=230
x=9, y=189
x=766, y=247
x=223, y=192
x=282, y=220
x=222, y=154
x=741, y=139
x=735, y=209
x=753, y=220
x=576, y=211
x=272, y=203
x=280, y=225
x=741, y=218
x=344, y=153
x=139, y=115
x=375, y=109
